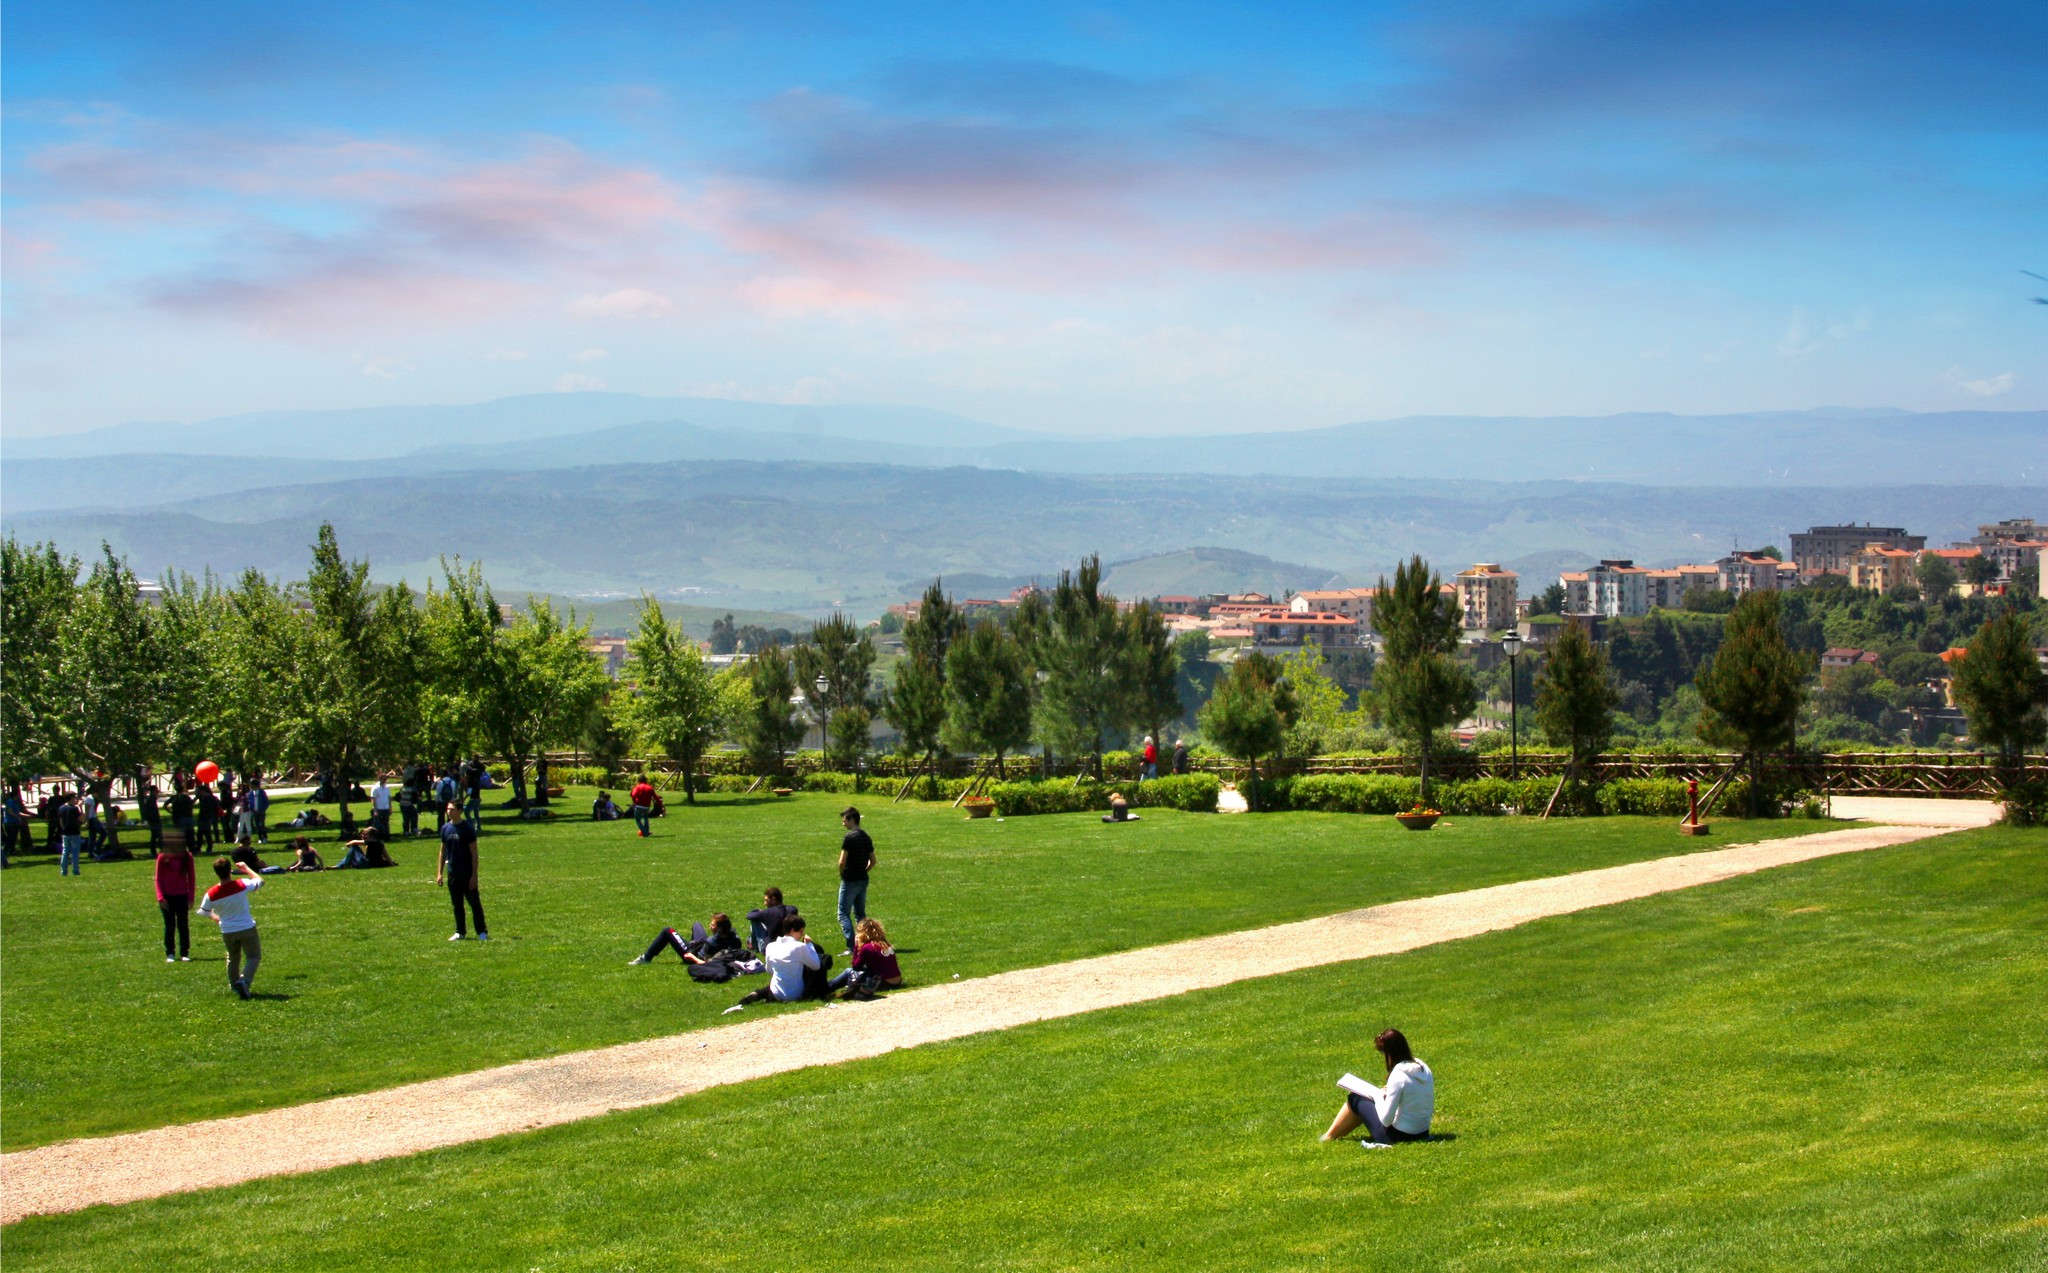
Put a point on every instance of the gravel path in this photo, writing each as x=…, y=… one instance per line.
x=450, y=1111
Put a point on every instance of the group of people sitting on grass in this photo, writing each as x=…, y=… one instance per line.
x=797, y=968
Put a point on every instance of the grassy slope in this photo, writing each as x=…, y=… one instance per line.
x=100, y=1035
x=1835, y=1065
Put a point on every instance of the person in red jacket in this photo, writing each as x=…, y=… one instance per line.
x=176, y=881
x=1151, y=769
x=643, y=804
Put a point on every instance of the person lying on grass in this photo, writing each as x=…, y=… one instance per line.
x=702, y=947
x=874, y=964
x=796, y=969
x=1402, y=1109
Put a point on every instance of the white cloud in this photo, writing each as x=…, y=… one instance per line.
x=576, y=382
x=506, y=355
x=627, y=302
x=382, y=368
x=1986, y=387
x=591, y=355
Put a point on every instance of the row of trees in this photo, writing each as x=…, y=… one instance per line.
x=333, y=674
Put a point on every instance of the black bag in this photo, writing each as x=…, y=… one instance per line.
x=714, y=971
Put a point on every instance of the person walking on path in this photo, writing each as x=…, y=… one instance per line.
x=227, y=904
x=457, y=868
x=1151, y=758
x=71, y=827
x=176, y=881
x=245, y=825
x=1180, y=756
x=856, y=860
x=642, y=797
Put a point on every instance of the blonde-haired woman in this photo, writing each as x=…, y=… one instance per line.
x=874, y=963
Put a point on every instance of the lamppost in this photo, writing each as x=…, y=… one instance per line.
x=824, y=687
x=1512, y=645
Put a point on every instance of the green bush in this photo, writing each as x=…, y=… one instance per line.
x=1024, y=799
x=2026, y=804
x=1658, y=796
x=1190, y=793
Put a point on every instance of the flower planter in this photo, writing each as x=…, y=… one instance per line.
x=979, y=810
x=783, y=791
x=1417, y=821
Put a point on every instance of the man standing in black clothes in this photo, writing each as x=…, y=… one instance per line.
x=152, y=817
x=209, y=816
x=473, y=783
x=458, y=869
x=856, y=859
x=180, y=805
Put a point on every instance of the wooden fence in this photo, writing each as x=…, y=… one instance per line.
x=1943, y=775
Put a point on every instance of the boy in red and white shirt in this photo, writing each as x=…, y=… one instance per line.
x=227, y=904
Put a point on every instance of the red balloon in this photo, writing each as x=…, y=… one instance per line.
x=206, y=771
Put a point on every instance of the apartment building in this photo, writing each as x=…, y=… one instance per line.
x=1486, y=596
x=1666, y=589
x=1745, y=572
x=1880, y=569
x=1353, y=603
x=1617, y=588
x=1827, y=549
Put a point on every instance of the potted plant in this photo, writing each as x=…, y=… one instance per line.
x=978, y=806
x=783, y=792
x=1419, y=818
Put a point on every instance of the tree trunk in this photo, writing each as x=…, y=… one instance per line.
x=1756, y=784
x=1422, y=794
x=518, y=766
x=689, y=781
x=1000, y=776
x=540, y=780
x=1251, y=802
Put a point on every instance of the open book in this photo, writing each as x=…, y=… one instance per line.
x=1358, y=1086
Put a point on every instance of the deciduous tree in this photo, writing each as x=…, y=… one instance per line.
x=988, y=692
x=1249, y=714
x=2001, y=688
x=674, y=707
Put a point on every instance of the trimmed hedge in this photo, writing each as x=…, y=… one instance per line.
x=1190, y=793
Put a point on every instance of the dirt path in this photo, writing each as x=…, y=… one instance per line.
x=450, y=1111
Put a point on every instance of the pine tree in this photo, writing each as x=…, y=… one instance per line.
x=1249, y=713
x=1575, y=704
x=2001, y=688
x=1149, y=672
x=771, y=726
x=1421, y=686
x=988, y=692
x=1077, y=650
x=1751, y=689
x=845, y=657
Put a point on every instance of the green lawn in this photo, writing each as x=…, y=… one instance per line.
x=1834, y=1065
x=98, y=1034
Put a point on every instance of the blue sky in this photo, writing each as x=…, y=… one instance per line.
x=1124, y=218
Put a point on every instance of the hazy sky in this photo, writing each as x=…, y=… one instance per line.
x=1124, y=217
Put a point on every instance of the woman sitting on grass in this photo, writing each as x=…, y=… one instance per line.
x=701, y=948
x=1119, y=809
x=1402, y=1109
x=367, y=853
x=305, y=857
x=874, y=965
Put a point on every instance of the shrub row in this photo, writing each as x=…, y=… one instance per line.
x=1190, y=793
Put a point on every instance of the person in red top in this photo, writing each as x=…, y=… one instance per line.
x=643, y=803
x=874, y=964
x=176, y=881
x=1151, y=769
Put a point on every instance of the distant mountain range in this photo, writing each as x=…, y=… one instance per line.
x=144, y=465
x=806, y=537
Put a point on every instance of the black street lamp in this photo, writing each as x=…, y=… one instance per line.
x=1512, y=644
